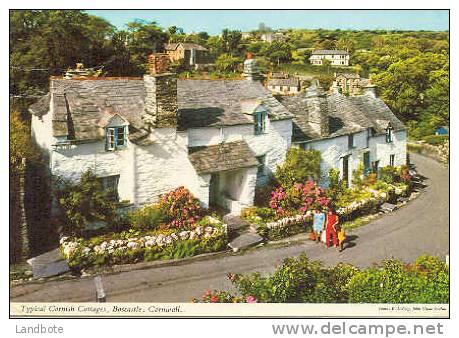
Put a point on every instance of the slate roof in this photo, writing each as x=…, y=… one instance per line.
x=80, y=106
x=329, y=52
x=349, y=75
x=290, y=82
x=222, y=157
x=187, y=46
x=339, y=114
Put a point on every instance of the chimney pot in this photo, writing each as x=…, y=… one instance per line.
x=158, y=63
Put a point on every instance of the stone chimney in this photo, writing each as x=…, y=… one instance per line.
x=161, y=87
x=251, y=70
x=316, y=100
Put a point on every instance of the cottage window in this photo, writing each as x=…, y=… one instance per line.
x=262, y=166
x=389, y=136
x=350, y=141
x=110, y=184
x=116, y=138
x=260, y=122
x=392, y=160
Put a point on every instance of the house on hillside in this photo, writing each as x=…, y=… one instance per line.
x=146, y=136
x=336, y=57
x=192, y=54
x=284, y=86
x=350, y=83
x=347, y=130
x=270, y=37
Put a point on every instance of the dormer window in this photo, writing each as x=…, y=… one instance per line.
x=389, y=136
x=116, y=138
x=260, y=122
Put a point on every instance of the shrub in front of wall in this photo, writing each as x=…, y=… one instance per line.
x=299, y=166
x=146, y=218
x=180, y=208
x=389, y=174
x=436, y=140
x=85, y=202
x=425, y=281
x=298, y=199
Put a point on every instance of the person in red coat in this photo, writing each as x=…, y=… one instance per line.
x=330, y=229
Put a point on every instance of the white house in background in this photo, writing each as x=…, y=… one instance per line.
x=289, y=85
x=144, y=137
x=335, y=56
x=347, y=130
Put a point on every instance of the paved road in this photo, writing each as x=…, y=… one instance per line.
x=420, y=227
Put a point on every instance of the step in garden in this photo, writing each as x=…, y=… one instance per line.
x=48, y=264
x=388, y=207
x=245, y=240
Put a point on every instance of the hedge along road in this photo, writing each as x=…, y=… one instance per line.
x=421, y=227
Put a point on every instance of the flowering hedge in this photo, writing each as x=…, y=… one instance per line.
x=223, y=297
x=134, y=246
x=285, y=227
x=298, y=199
x=301, y=280
x=180, y=208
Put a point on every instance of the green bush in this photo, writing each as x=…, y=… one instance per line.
x=389, y=174
x=85, y=202
x=425, y=281
x=300, y=280
x=299, y=166
x=436, y=140
x=146, y=218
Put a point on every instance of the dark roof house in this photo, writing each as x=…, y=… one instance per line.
x=317, y=115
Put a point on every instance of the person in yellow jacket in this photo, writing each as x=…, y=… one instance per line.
x=341, y=236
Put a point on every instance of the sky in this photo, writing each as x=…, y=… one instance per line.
x=213, y=21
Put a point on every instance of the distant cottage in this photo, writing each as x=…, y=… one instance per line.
x=350, y=83
x=289, y=85
x=219, y=138
x=336, y=57
x=192, y=54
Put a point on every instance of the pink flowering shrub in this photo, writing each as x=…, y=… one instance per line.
x=299, y=198
x=181, y=209
x=223, y=297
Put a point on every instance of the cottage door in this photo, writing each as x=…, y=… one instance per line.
x=346, y=169
x=214, y=189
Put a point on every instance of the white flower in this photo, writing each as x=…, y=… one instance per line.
x=149, y=243
x=132, y=245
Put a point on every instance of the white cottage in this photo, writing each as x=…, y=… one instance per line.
x=347, y=130
x=144, y=137
x=335, y=56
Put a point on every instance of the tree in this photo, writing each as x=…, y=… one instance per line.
x=230, y=41
x=144, y=38
x=85, y=202
x=50, y=41
x=227, y=63
x=278, y=52
x=299, y=166
x=345, y=44
x=404, y=85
